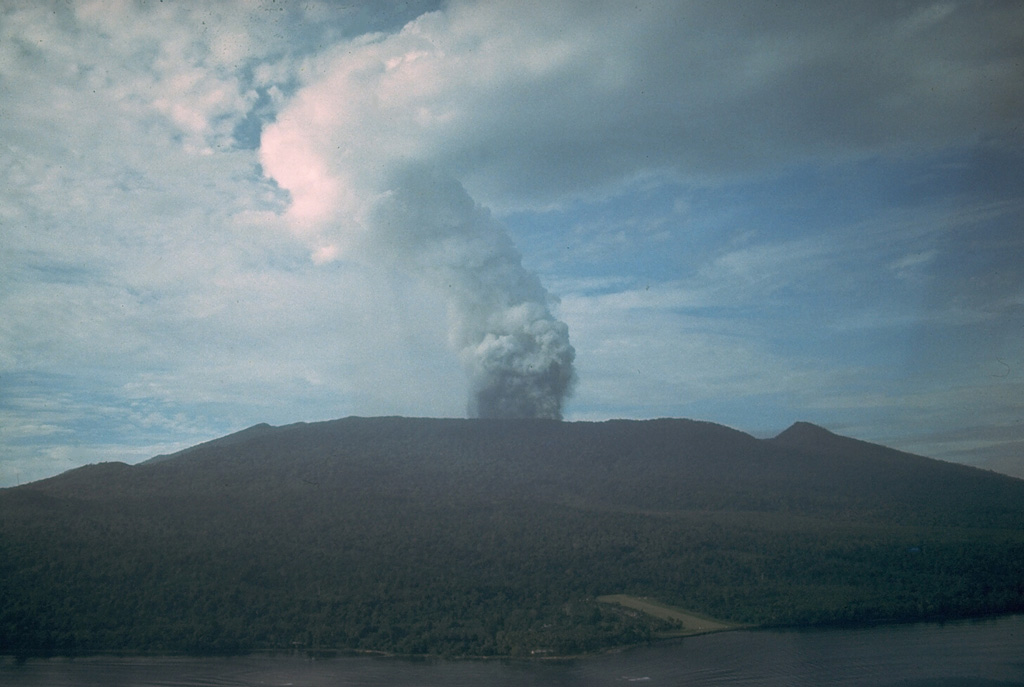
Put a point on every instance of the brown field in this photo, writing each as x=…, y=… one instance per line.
x=691, y=624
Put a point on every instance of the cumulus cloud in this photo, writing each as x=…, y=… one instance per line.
x=150, y=295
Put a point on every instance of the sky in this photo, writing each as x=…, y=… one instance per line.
x=219, y=214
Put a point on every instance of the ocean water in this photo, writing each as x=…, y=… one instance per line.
x=987, y=653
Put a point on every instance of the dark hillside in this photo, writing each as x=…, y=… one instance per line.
x=493, y=537
x=910, y=487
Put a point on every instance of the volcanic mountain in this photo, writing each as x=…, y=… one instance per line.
x=496, y=537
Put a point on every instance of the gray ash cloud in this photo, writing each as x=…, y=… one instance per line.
x=516, y=352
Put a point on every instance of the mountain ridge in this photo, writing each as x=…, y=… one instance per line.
x=632, y=463
x=800, y=434
x=228, y=439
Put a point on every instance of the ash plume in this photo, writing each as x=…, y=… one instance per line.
x=368, y=151
x=516, y=352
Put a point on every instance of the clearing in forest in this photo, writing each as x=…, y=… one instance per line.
x=691, y=624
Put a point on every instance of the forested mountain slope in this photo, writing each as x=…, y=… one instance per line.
x=494, y=537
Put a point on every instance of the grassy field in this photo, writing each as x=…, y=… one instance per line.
x=690, y=624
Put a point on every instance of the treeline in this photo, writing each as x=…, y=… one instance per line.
x=421, y=538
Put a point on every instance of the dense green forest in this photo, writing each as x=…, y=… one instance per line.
x=495, y=538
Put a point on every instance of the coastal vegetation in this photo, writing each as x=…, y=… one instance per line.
x=497, y=538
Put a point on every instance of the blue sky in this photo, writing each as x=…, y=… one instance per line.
x=280, y=212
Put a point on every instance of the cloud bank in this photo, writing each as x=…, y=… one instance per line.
x=528, y=102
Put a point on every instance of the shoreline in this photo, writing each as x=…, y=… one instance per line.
x=327, y=654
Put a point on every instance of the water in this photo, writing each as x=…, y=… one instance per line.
x=987, y=653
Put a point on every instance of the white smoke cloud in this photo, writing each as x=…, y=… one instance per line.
x=361, y=190
x=517, y=354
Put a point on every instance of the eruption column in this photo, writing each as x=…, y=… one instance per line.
x=516, y=352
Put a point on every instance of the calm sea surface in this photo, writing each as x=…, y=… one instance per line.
x=985, y=653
